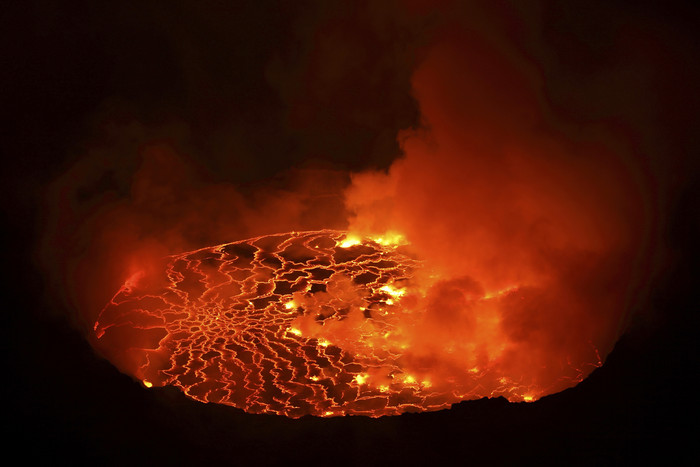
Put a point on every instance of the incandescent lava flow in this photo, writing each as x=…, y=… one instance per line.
x=323, y=323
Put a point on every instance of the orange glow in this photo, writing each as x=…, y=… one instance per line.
x=499, y=255
x=390, y=239
x=392, y=291
x=223, y=332
x=361, y=379
x=349, y=240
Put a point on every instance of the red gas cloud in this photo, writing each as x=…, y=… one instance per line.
x=501, y=200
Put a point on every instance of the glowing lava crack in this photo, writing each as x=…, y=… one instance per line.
x=300, y=323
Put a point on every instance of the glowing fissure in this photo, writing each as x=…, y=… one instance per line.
x=322, y=323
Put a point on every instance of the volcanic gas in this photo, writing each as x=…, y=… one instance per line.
x=499, y=252
x=322, y=322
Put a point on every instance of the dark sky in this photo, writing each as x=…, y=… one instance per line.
x=251, y=92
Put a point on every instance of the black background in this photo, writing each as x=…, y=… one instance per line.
x=237, y=76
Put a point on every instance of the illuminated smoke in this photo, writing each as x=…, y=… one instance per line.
x=520, y=236
x=502, y=201
x=109, y=221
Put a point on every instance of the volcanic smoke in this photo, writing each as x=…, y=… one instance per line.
x=498, y=256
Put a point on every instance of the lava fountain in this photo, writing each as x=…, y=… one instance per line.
x=322, y=322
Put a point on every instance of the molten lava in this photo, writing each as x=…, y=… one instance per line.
x=322, y=323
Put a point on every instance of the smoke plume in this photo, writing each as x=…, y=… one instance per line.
x=533, y=227
x=533, y=223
